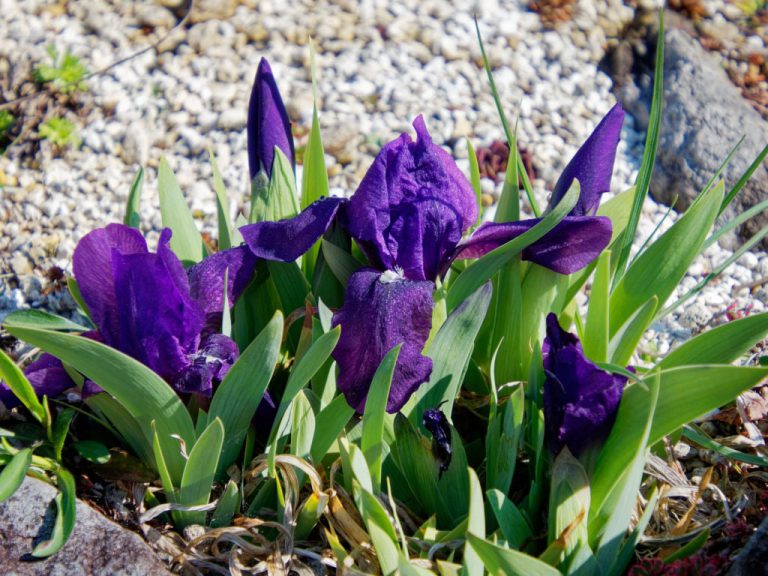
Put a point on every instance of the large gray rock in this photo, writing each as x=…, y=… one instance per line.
x=97, y=546
x=704, y=115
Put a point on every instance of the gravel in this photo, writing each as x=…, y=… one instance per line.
x=379, y=65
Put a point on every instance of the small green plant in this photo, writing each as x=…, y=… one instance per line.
x=60, y=132
x=751, y=7
x=67, y=73
x=6, y=122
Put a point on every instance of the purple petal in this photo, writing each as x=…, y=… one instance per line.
x=580, y=399
x=206, y=279
x=208, y=365
x=268, y=124
x=570, y=246
x=288, y=239
x=92, y=266
x=592, y=165
x=412, y=207
x=160, y=323
x=379, y=312
x=47, y=377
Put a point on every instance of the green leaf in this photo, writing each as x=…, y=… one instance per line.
x=304, y=370
x=511, y=140
x=74, y=291
x=341, y=263
x=125, y=425
x=695, y=434
x=744, y=179
x=658, y=270
x=197, y=481
x=240, y=393
x=474, y=177
x=309, y=514
x=569, y=500
x=614, y=516
x=186, y=242
x=484, y=268
x=276, y=201
x=649, y=154
x=625, y=340
x=222, y=205
x=685, y=393
x=722, y=345
x=329, y=424
x=514, y=526
x=92, y=451
x=414, y=458
x=372, y=441
x=595, y=339
x=21, y=388
x=143, y=393
x=502, y=441
x=65, y=516
x=12, y=475
x=380, y=529
x=133, y=207
x=314, y=184
x=472, y=562
x=498, y=560
x=450, y=352
x=42, y=320
x=169, y=484
x=229, y=504
x=59, y=431
x=302, y=425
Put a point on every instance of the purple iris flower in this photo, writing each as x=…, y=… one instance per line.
x=580, y=399
x=409, y=215
x=148, y=307
x=268, y=124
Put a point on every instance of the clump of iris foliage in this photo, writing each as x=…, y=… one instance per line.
x=383, y=377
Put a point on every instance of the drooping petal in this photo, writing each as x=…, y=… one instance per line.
x=208, y=365
x=206, y=279
x=380, y=311
x=288, y=239
x=570, y=246
x=160, y=323
x=268, y=124
x=592, y=165
x=412, y=206
x=47, y=377
x=92, y=266
x=580, y=399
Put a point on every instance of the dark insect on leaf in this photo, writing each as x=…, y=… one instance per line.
x=437, y=424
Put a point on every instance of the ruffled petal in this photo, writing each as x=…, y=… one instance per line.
x=580, y=399
x=379, y=312
x=92, y=266
x=47, y=377
x=570, y=246
x=206, y=279
x=288, y=239
x=268, y=124
x=412, y=206
x=160, y=323
x=207, y=366
x=592, y=165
